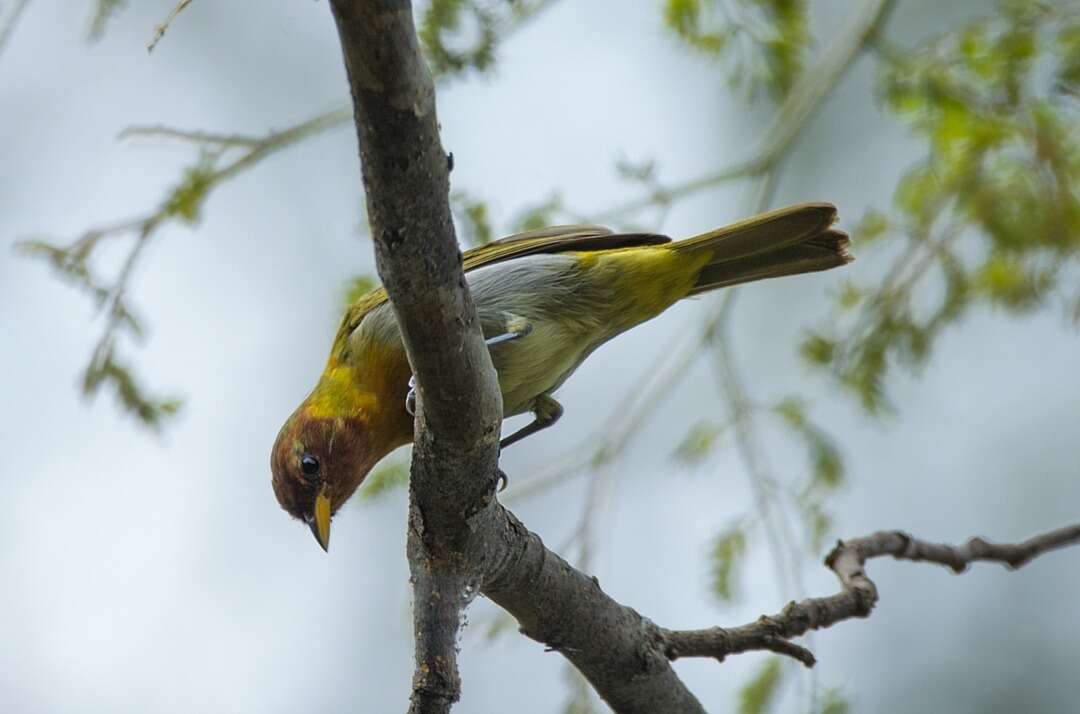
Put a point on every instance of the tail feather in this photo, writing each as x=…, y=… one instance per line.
x=788, y=241
x=820, y=252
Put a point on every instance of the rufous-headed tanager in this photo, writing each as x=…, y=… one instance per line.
x=546, y=299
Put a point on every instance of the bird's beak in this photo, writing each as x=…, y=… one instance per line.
x=320, y=520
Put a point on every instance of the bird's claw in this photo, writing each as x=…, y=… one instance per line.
x=501, y=482
x=410, y=398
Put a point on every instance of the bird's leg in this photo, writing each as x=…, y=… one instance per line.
x=516, y=327
x=547, y=412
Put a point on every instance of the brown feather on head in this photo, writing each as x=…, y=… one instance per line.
x=317, y=463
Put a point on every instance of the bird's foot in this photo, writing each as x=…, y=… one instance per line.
x=410, y=398
x=501, y=482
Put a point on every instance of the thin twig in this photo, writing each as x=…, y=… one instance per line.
x=159, y=30
x=198, y=137
x=858, y=594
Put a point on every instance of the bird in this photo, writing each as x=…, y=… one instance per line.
x=546, y=299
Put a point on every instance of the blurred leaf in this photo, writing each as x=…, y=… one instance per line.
x=387, y=477
x=816, y=519
x=873, y=225
x=827, y=466
x=818, y=349
x=474, y=212
x=850, y=295
x=1008, y=282
x=106, y=369
x=357, y=287
x=764, y=40
x=684, y=18
x=186, y=199
x=727, y=549
x=757, y=696
x=833, y=703
x=698, y=443
x=446, y=43
x=540, y=216
x=1000, y=173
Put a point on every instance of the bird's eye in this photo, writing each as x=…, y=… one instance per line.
x=309, y=465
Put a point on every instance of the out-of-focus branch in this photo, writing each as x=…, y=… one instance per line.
x=9, y=20
x=183, y=204
x=160, y=30
x=791, y=117
x=858, y=594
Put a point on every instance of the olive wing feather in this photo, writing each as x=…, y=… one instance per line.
x=557, y=239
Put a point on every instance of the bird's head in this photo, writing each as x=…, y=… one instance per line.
x=317, y=463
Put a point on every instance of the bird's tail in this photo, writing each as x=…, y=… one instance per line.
x=787, y=241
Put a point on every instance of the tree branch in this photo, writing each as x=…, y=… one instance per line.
x=459, y=409
x=460, y=538
x=858, y=594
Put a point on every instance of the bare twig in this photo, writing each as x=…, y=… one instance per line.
x=858, y=594
x=159, y=30
x=196, y=137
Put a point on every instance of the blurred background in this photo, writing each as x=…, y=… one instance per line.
x=706, y=460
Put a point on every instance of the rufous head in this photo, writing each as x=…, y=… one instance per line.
x=317, y=464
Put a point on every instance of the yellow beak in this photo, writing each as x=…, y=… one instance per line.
x=320, y=521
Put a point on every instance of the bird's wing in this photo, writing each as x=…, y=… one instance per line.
x=557, y=239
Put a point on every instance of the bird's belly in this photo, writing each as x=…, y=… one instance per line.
x=537, y=363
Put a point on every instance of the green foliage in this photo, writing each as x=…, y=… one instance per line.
x=698, y=443
x=684, y=18
x=873, y=225
x=827, y=466
x=389, y=476
x=758, y=695
x=105, y=368
x=357, y=287
x=724, y=558
x=833, y=703
x=186, y=198
x=765, y=40
x=441, y=27
x=541, y=215
x=475, y=218
x=991, y=215
x=826, y=470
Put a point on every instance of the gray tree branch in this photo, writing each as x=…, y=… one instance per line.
x=858, y=594
x=460, y=538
